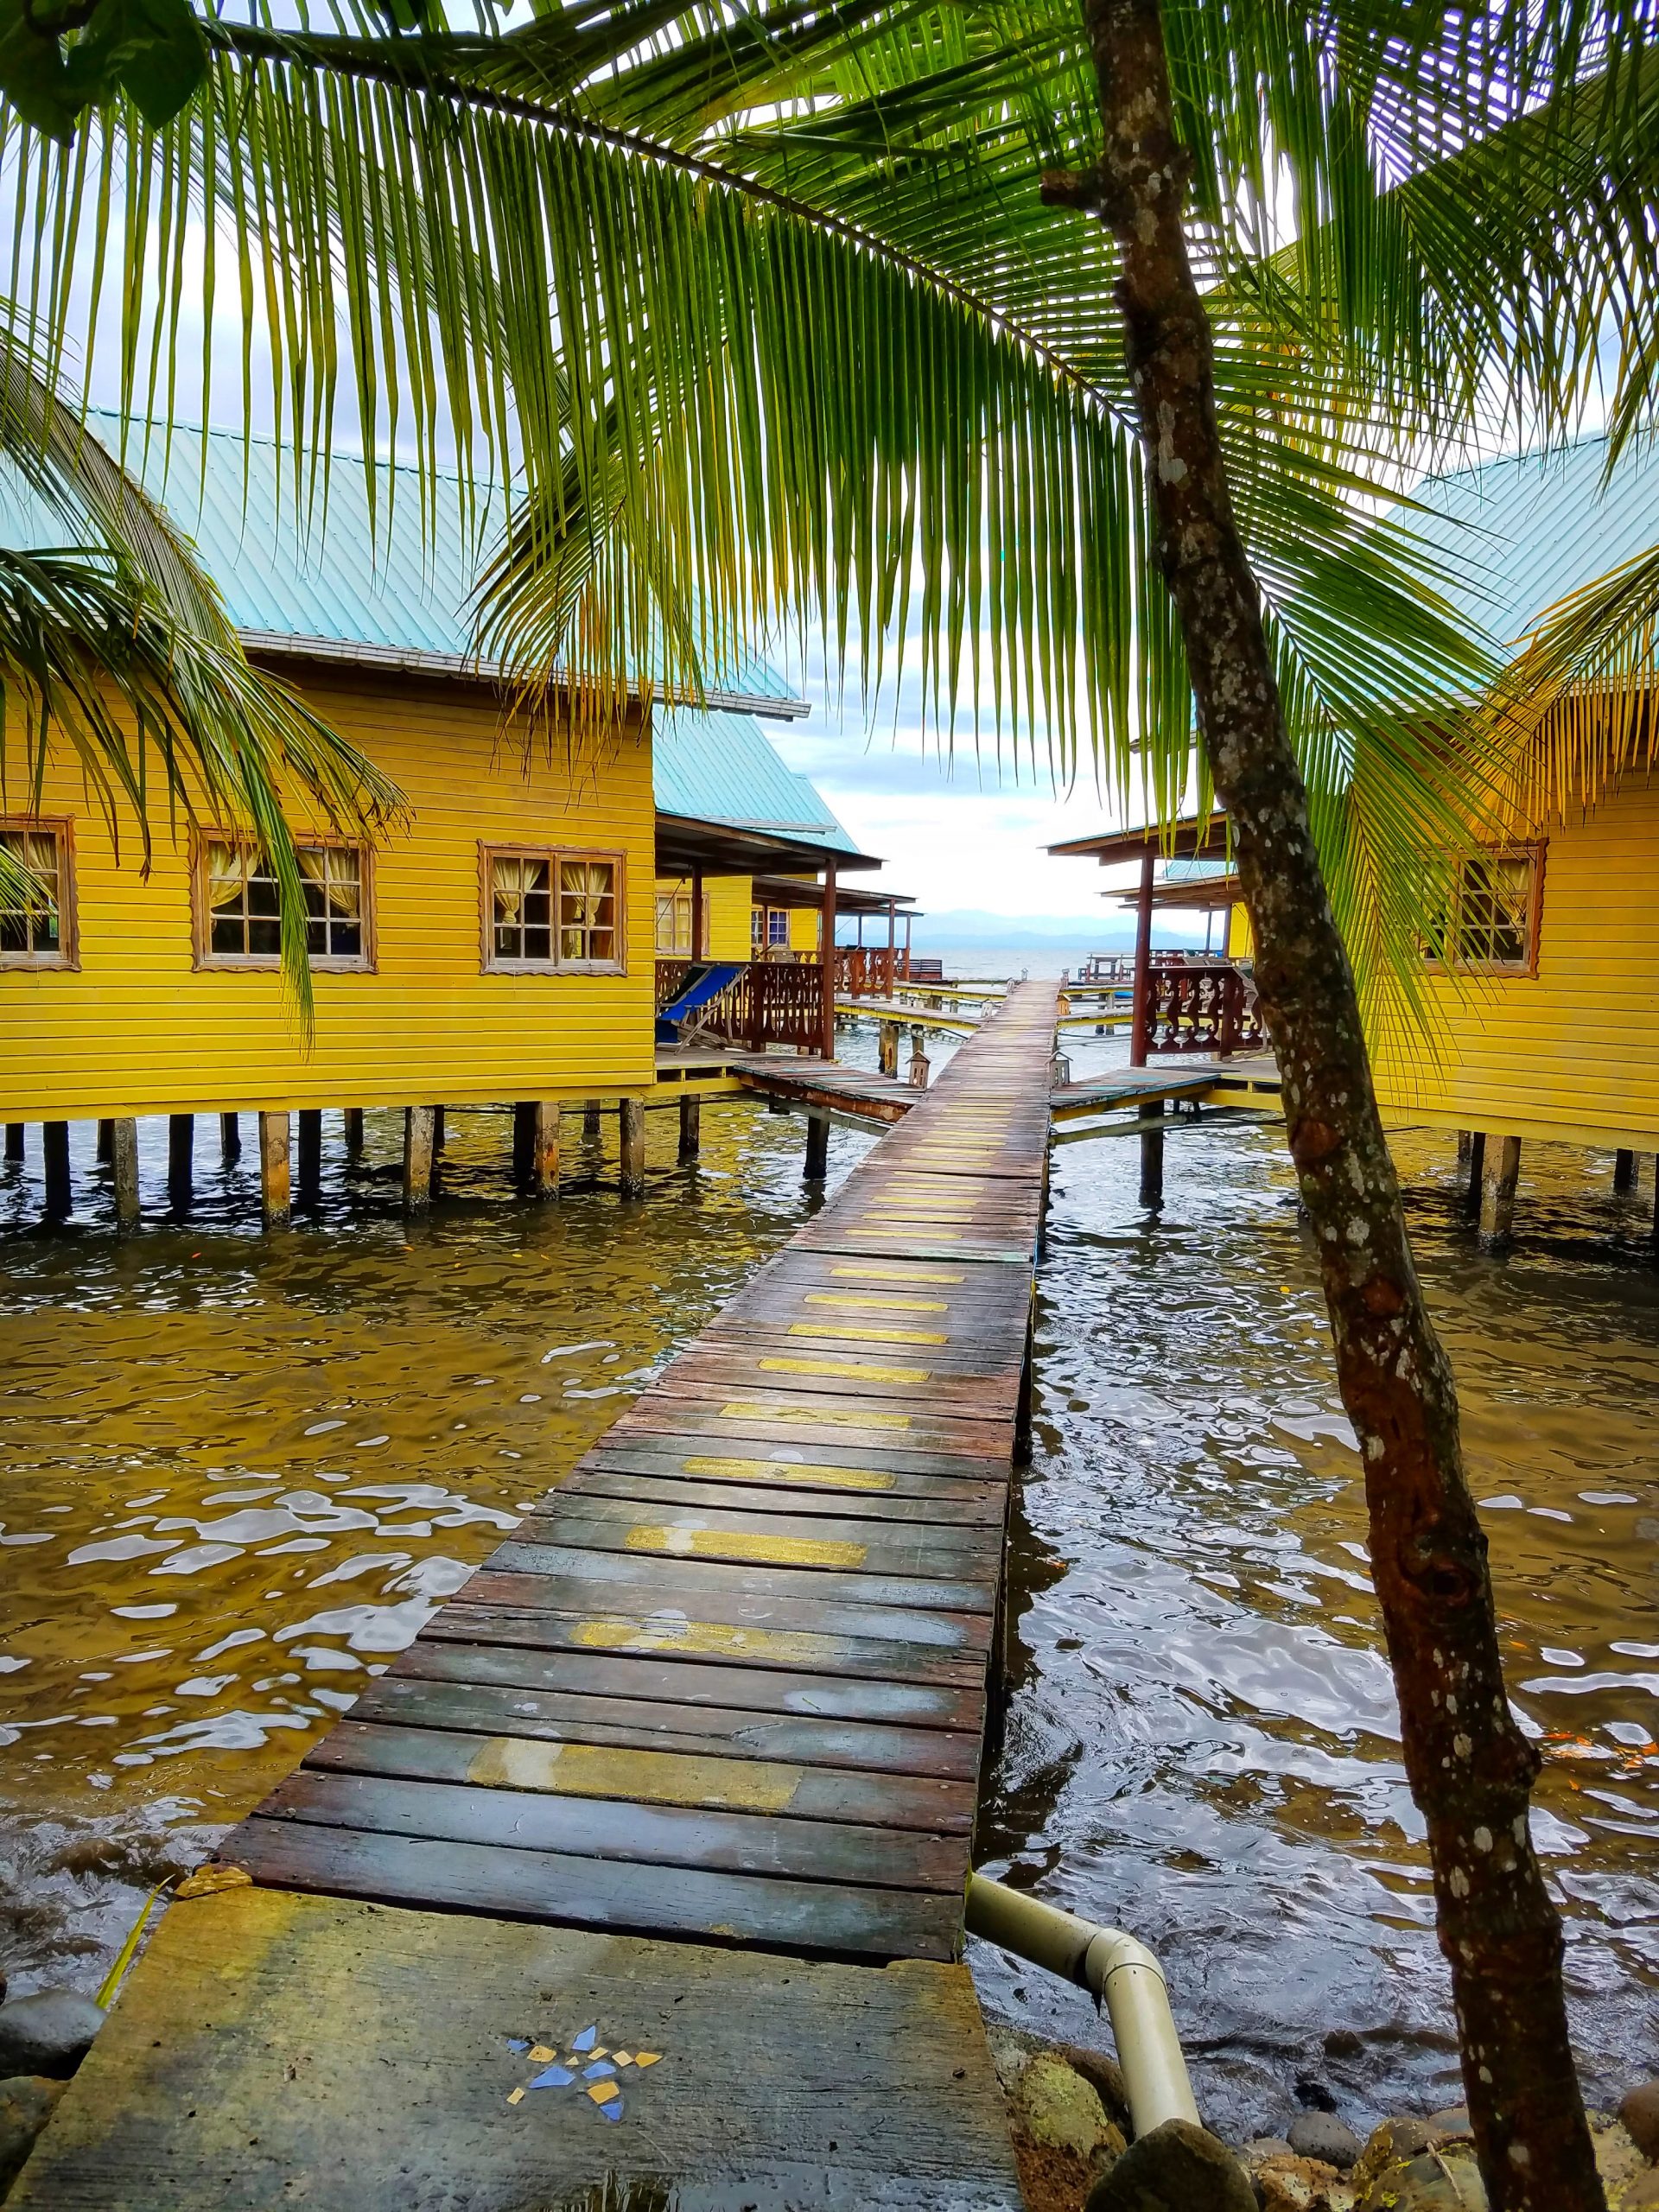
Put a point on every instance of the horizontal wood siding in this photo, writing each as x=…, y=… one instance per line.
x=728, y=902
x=1572, y=1053
x=139, y=1029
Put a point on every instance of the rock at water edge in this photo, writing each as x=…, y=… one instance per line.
x=1321, y=2135
x=49, y=2032
x=26, y=2102
x=1176, y=2168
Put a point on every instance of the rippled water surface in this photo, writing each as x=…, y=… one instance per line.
x=237, y=1472
x=1203, y=1745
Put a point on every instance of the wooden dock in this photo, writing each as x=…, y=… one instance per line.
x=683, y=1780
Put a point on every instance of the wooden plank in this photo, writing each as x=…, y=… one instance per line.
x=983, y=1515
x=444, y=1803
x=331, y=2053
x=816, y=1430
x=405, y=1701
x=687, y=1682
x=915, y=1600
x=576, y=1516
x=559, y=1889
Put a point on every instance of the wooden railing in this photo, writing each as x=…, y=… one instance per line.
x=1202, y=1009
x=767, y=1004
x=869, y=971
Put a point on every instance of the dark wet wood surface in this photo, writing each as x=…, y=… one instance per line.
x=729, y=1677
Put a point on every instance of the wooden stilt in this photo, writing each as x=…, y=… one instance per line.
x=1152, y=1155
x=1655, y=1202
x=105, y=1142
x=1477, y=1170
x=181, y=1157
x=590, y=1127
x=818, y=1146
x=229, y=1140
x=1466, y=1141
x=1623, y=1170
x=544, y=1148
x=632, y=1116
x=275, y=1195
x=55, y=1148
x=439, y=1130
x=889, y=1048
x=310, y=1150
x=690, y=1127
x=353, y=1133
x=524, y=1142
x=124, y=1171
x=14, y=1139
x=417, y=1159
x=1497, y=1198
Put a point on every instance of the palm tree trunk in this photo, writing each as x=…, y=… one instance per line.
x=1470, y=1767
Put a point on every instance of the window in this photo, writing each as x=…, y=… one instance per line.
x=777, y=925
x=546, y=910
x=37, y=919
x=239, y=914
x=1493, y=913
x=674, y=922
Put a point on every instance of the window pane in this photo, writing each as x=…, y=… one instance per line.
x=29, y=915
x=264, y=939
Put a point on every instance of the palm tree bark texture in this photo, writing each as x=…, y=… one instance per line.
x=1471, y=1768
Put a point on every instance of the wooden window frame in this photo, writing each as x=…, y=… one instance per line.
x=555, y=856
x=66, y=958
x=681, y=894
x=203, y=959
x=1534, y=851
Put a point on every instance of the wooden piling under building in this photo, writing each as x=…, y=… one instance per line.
x=686, y=1773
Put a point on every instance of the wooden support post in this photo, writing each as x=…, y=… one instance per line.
x=1140, y=1016
x=544, y=1148
x=417, y=1159
x=590, y=1127
x=229, y=1140
x=124, y=1171
x=1476, y=1171
x=354, y=1118
x=1152, y=1154
x=1655, y=1202
x=827, y=1041
x=690, y=1127
x=181, y=1157
x=275, y=1196
x=889, y=1048
x=1497, y=1198
x=310, y=1149
x=13, y=1141
x=54, y=1149
x=1466, y=1140
x=1623, y=1170
x=818, y=1146
x=106, y=1143
x=524, y=1141
x=632, y=1117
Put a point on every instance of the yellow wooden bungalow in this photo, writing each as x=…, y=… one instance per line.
x=500, y=946
x=1544, y=980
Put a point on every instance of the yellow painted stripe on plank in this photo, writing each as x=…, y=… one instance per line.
x=868, y=1273
x=788, y=1470
x=881, y=1300
x=734, y=1543
x=865, y=1369
x=941, y=1235
x=848, y=1332
x=641, y=1777
x=703, y=1639
x=820, y=1416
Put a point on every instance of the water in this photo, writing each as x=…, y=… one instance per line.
x=1204, y=1745
x=237, y=1472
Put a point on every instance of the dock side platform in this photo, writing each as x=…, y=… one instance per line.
x=638, y=1879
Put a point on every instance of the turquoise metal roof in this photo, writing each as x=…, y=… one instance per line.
x=1516, y=535
x=336, y=585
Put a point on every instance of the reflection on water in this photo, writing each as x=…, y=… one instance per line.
x=237, y=1472
x=240, y=1470
x=1204, y=1745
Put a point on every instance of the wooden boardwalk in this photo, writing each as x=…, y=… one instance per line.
x=726, y=1685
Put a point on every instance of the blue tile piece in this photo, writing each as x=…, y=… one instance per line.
x=518, y=2043
x=612, y=2111
x=597, y=2070
x=552, y=2077
x=586, y=2040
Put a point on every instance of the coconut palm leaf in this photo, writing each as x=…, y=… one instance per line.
x=115, y=645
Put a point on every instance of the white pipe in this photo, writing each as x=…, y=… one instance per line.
x=1122, y=1974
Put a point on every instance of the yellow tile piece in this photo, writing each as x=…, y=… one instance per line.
x=819, y=1416
x=864, y=1369
x=598, y=2051
x=624, y=2057
x=854, y=1334
x=641, y=1777
x=732, y=1543
x=789, y=1470
x=541, y=2054
x=646, y=2057
x=603, y=2091
x=515, y=2096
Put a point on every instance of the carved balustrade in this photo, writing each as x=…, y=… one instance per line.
x=1208, y=1008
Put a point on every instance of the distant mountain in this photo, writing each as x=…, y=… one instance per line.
x=966, y=927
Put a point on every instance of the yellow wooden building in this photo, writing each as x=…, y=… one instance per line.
x=501, y=943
